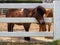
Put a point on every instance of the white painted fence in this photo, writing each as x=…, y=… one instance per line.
x=25, y=5
x=57, y=19
x=25, y=20
x=47, y=1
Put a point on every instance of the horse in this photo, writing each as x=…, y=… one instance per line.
x=37, y=12
x=49, y=14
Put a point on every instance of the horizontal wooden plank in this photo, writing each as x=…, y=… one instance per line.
x=23, y=20
x=25, y=5
x=18, y=20
x=48, y=20
x=14, y=34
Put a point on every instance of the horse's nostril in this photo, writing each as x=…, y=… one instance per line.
x=42, y=22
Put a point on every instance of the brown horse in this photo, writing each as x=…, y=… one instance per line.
x=49, y=14
x=37, y=12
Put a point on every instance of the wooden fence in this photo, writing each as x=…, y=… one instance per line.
x=28, y=20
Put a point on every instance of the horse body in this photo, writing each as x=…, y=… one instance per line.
x=49, y=14
x=37, y=12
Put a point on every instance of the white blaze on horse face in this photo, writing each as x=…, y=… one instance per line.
x=22, y=10
x=44, y=15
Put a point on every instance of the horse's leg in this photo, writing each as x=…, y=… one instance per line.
x=40, y=28
x=10, y=27
x=49, y=26
x=27, y=26
x=44, y=27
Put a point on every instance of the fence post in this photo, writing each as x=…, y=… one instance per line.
x=56, y=20
x=47, y=1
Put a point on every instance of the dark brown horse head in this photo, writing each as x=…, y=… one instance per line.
x=38, y=13
x=41, y=10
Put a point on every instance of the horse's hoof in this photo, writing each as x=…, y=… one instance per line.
x=27, y=38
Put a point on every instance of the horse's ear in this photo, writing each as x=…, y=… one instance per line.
x=41, y=10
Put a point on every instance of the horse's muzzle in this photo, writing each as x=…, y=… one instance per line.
x=42, y=22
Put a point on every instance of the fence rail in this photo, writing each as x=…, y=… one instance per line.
x=14, y=34
x=25, y=5
x=24, y=20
